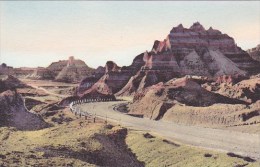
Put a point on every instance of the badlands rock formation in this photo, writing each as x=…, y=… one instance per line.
x=247, y=90
x=185, y=51
x=5, y=70
x=13, y=112
x=157, y=99
x=71, y=70
x=89, y=81
x=255, y=53
x=42, y=74
x=10, y=83
x=74, y=71
x=193, y=51
x=115, y=77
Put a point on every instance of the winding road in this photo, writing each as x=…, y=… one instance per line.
x=216, y=139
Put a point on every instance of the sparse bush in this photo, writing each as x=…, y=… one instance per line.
x=207, y=155
x=148, y=136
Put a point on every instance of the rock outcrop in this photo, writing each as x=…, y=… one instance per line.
x=23, y=72
x=115, y=77
x=6, y=70
x=42, y=74
x=255, y=53
x=247, y=90
x=184, y=91
x=74, y=71
x=185, y=51
x=11, y=83
x=89, y=81
x=191, y=51
x=13, y=112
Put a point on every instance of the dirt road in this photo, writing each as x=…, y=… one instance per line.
x=48, y=92
x=221, y=140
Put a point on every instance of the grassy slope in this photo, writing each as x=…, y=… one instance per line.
x=70, y=144
x=67, y=144
x=156, y=152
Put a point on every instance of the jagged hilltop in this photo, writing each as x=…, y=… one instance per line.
x=71, y=70
x=185, y=51
x=191, y=51
x=255, y=53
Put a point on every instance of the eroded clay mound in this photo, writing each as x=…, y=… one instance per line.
x=14, y=114
x=247, y=90
x=10, y=82
x=154, y=101
x=89, y=81
x=74, y=71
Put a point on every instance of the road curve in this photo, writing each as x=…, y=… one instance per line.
x=221, y=140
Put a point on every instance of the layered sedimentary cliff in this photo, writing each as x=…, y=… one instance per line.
x=191, y=51
x=185, y=51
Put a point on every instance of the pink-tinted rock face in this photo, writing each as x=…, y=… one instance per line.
x=185, y=51
x=197, y=51
x=89, y=81
x=115, y=77
x=197, y=36
x=112, y=80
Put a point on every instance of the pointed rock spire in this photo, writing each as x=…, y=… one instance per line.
x=197, y=27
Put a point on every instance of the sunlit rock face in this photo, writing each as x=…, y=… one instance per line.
x=217, y=46
x=73, y=71
x=154, y=101
x=198, y=37
x=185, y=51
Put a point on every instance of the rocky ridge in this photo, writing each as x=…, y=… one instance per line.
x=255, y=53
x=185, y=51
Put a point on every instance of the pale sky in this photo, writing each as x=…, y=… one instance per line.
x=37, y=33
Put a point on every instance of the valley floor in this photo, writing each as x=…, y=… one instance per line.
x=124, y=141
x=81, y=142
